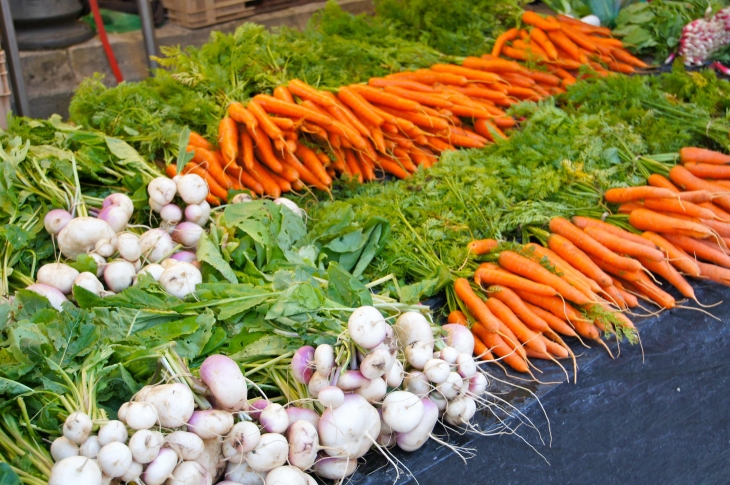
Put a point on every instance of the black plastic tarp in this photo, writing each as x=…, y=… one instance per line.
x=661, y=416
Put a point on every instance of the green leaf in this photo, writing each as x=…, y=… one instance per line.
x=299, y=298
x=192, y=345
x=426, y=288
x=183, y=156
x=209, y=253
x=8, y=476
x=9, y=388
x=84, y=263
x=123, y=151
x=15, y=235
x=345, y=288
x=170, y=331
x=268, y=345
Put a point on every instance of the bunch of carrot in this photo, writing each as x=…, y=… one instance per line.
x=687, y=215
x=563, y=45
x=392, y=124
x=562, y=289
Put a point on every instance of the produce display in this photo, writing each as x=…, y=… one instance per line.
x=198, y=287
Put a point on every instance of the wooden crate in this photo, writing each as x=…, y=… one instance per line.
x=195, y=14
x=265, y=6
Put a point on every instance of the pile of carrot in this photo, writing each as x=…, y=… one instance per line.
x=304, y=136
x=563, y=45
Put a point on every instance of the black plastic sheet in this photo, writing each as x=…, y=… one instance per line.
x=657, y=417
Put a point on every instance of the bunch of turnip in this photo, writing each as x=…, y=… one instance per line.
x=398, y=383
x=165, y=253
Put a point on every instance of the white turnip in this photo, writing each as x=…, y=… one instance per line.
x=412, y=327
x=114, y=459
x=367, y=327
x=418, y=353
x=112, y=431
x=118, y=275
x=301, y=364
x=439, y=401
x=324, y=359
x=274, y=418
x=241, y=198
x=449, y=354
x=100, y=264
x=174, y=403
x=181, y=279
x=77, y=427
x=141, y=415
x=244, y=436
x=122, y=412
x=105, y=248
x=271, y=452
x=451, y=387
x=89, y=282
x=192, y=188
x=81, y=234
x=116, y=216
x=402, y=411
x=169, y=262
x=187, y=257
x=63, y=447
x=90, y=448
x=375, y=363
x=154, y=270
x=335, y=468
x=386, y=439
x=187, y=445
x=156, y=245
x=58, y=275
x=351, y=380
x=199, y=216
x=316, y=384
x=120, y=200
x=212, y=458
x=417, y=383
x=459, y=337
x=465, y=366
x=460, y=410
x=56, y=220
x=437, y=370
x=190, y=473
x=187, y=233
x=417, y=437
x=240, y=473
x=226, y=382
x=160, y=468
x=478, y=384
x=303, y=444
x=162, y=190
x=154, y=206
x=54, y=297
x=374, y=391
x=394, y=377
x=289, y=204
x=285, y=475
x=133, y=472
x=348, y=430
x=128, y=246
x=302, y=414
x=210, y=423
x=331, y=396
x=256, y=407
x=145, y=445
x=76, y=470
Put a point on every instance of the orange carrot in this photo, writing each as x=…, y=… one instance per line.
x=352, y=164
x=699, y=249
x=556, y=324
x=505, y=37
x=379, y=82
x=502, y=278
x=284, y=124
x=708, y=171
x=458, y=317
x=376, y=96
x=426, y=76
x=428, y=99
x=360, y=106
x=271, y=188
x=656, y=180
x=562, y=310
x=583, y=222
x=488, y=130
x=577, y=259
x=313, y=163
x=559, y=39
x=702, y=155
x=622, y=246
x=536, y=20
x=290, y=110
x=629, y=194
x=627, y=58
x=240, y=114
x=265, y=122
x=493, y=65
x=677, y=256
x=304, y=173
x=497, y=345
x=282, y=93
x=544, y=78
x=677, y=206
x=207, y=160
x=391, y=167
x=469, y=74
x=482, y=246
x=284, y=185
x=715, y=273
x=515, y=303
x=586, y=243
x=246, y=149
x=542, y=40
x=684, y=179
x=263, y=145
x=654, y=293
x=523, y=334
x=481, y=350
x=616, y=297
x=667, y=271
x=646, y=220
x=198, y=141
x=305, y=91
x=534, y=271
x=570, y=274
x=476, y=305
x=228, y=139
x=193, y=167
